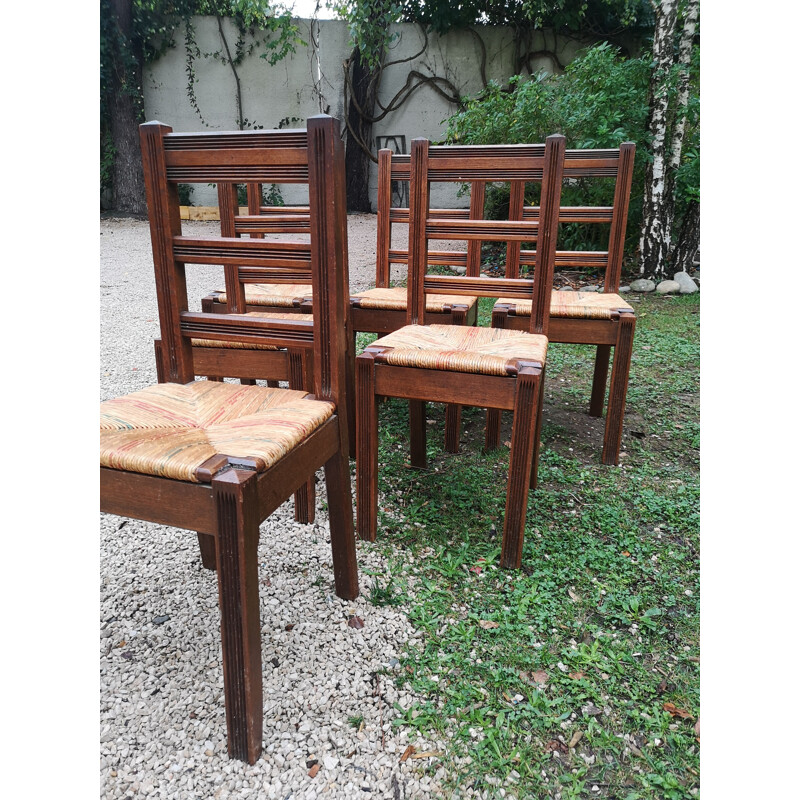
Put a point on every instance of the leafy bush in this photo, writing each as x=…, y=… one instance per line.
x=600, y=101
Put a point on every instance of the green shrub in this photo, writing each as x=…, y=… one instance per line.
x=600, y=101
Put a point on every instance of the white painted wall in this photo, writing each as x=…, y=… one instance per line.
x=311, y=81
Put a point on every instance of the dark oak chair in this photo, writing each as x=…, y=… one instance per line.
x=219, y=458
x=484, y=367
x=603, y=318
x=250, y=361
x=384, y=309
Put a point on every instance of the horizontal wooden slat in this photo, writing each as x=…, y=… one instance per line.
x=445, y=258
x=482, y=391
x=265, y=156
x=212, y=140
x=297, y=273
x=402, y=215
x=288, y=223
x=238, y=173
x=241, y=252
x=280, y=210
x=252, y=330
x=589, y=259
x=490, y=231
x=167, y=502
x=485, y=152
x=521, y=288
x=574, y=213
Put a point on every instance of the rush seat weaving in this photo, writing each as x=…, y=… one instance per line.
x=462, y=348
x=284, y=295
x=170, y=430
x=396, y=299
x=573, y=305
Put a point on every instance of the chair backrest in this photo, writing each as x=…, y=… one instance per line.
x=314, y=156
x=485, y=163
x=610, y=163
x=393, y=167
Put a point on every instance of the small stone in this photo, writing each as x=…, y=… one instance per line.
x=684, y=280
x=160, y=620
x=330, y=762
x=643, y=285
x=566, y=289
x=588, y=288
x=668, y=287
x=459, y=270
x=624, y=289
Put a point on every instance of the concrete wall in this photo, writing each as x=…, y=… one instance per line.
x=311, y=81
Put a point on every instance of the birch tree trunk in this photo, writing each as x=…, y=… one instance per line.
x=656, y=229
x=682, y=255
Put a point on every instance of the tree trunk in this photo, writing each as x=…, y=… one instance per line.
x=363, y=91
x=688, y=239
x=654, y=243
x=126, y=172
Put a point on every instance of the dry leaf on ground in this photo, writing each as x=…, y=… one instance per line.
x=486, y=624
x=407, y=752
x=677, y=712
x=576, y=737
x=355, y=622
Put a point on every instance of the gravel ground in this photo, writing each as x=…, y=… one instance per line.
x=162, y=712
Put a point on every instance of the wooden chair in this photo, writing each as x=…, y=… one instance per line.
x=249, y=362
x=603, y=319
x=218, y=457
x=482, y=367
x=384, y=309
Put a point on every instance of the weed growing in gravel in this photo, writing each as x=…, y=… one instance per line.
x=579, y=673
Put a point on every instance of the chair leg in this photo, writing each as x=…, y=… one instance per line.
x=208, y=550
x=304, y=497
x=343, y=543
x=493, y=420
x=494, y=416
x=452, y=418
x=350, y=392
x=526, y=401
x=236, y=501
x=452, y=427
x=618, y=391
x=537, y=436
x=366, y=449
x=160, y=373
x=599, y=382
x=417, y=426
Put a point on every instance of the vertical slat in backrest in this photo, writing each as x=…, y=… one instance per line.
x=619, y=219
x=330, y=280
x=514, y=163
x=313, y=157
x=384, y=238
x=516, y=203
x=163, y=208
x=228, y=209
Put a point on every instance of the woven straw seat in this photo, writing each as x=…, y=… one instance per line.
x=460, y=348
x=286, y=295
x=573, y=305
x=245, y=345
x=396, y=299
x=170, y=430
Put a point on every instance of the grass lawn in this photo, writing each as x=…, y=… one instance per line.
x=577, y=675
